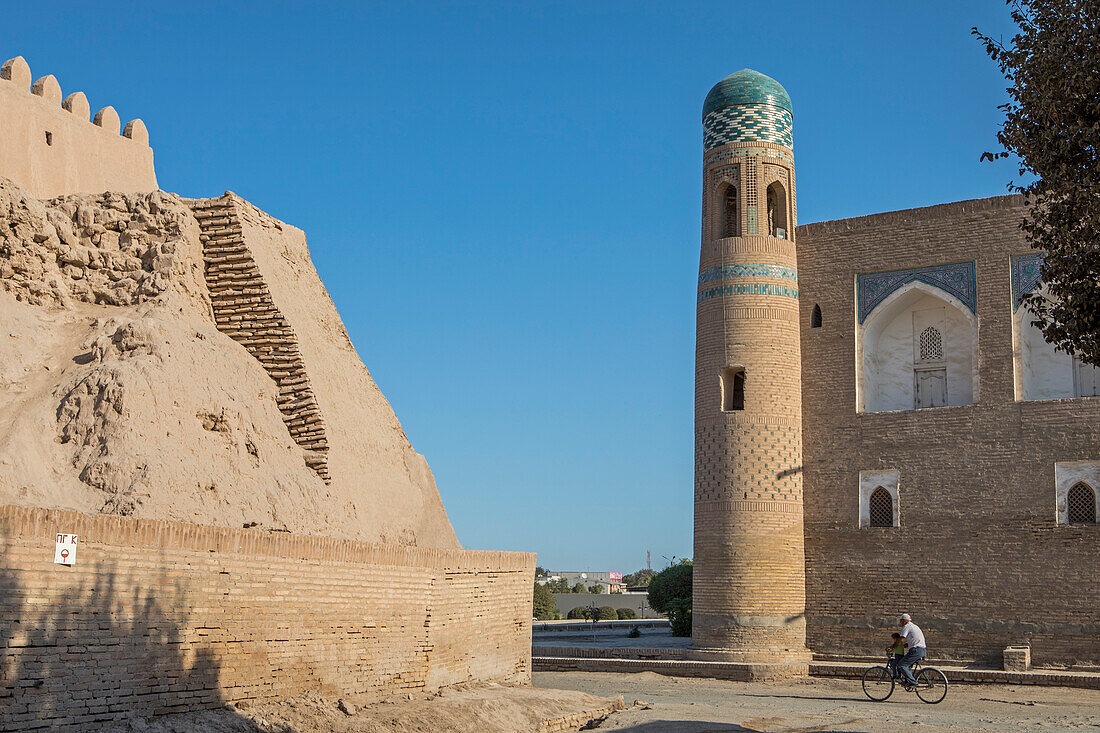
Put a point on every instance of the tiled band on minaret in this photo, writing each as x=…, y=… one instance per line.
x=749, y=575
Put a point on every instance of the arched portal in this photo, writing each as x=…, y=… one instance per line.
x=777, y=211
x=917, y=349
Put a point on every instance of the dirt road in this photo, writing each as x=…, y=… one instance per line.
x=680, y=705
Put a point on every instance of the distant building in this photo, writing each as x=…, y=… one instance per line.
x=609, y=581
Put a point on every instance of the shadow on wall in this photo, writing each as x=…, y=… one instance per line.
x=77, y=653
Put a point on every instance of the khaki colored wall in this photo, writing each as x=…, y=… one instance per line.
x=84, y=157
x=978, y=559
x=163, y=617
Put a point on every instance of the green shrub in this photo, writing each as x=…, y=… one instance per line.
x=679, y=615
x=626, y=614
x=580, y=612
x=670, y=594
x=607, y=613
x=544, y=606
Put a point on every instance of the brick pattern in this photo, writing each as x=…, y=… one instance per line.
x=986, y=564
x=749, y=582
x=163, y=617
x=245, y=311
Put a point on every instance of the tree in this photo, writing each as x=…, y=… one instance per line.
x=642, y=577
x=1052, y=125
x=595, y=588
x=561, y=585
x=670, y=593
x=540, y=571
x=544, y=605
x=578, y=588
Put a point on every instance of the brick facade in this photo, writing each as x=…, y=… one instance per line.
x=978, y=558
x=749, y=590
x=164, y=617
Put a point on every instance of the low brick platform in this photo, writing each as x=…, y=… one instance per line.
x=595, y=662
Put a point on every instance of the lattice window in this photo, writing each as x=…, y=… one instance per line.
x=881, y=507
x=1081, y=504
x=815, y=317
x=931, y=344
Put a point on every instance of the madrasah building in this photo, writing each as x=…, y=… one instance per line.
x=878, y=426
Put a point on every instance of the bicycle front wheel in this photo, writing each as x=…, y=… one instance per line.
x=878, y=683
x=931, y=685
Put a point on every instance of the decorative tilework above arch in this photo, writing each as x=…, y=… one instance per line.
x=1025, y=276
x=959, y=279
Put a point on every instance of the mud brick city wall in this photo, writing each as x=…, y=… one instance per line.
x=164, y=617
x=978, y=558
x=53, y=146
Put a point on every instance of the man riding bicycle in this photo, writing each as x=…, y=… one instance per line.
x=914, y=639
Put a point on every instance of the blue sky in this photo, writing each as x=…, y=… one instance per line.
x=503, y=200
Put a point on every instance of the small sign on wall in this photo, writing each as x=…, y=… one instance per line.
x=65, y=550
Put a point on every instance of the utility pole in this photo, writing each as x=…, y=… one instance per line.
x=648, y=560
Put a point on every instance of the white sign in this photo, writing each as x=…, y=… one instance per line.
x=65, y=551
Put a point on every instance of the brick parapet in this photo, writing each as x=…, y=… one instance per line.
x=32, y=523
x=158, y=617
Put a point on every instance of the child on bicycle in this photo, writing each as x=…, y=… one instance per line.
x=897, y=648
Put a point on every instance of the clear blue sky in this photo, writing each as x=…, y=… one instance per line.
x=503, y=200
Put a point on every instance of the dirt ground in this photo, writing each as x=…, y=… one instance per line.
x=680, y=705
x=481, y=708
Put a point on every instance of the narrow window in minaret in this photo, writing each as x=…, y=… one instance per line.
x=777, y=210
x=733, y=216
x=733, y=389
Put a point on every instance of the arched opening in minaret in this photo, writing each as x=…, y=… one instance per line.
x=815, y=317
x=733, y=389
x=731, y=223
x=777, y=211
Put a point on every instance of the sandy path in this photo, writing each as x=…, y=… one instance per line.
x=680, y=705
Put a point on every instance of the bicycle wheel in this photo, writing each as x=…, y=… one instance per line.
x=931, y=685
x=878, y=683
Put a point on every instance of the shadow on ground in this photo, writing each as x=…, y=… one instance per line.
x=698, y=726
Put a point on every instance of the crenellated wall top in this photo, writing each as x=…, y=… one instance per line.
x=18, y=72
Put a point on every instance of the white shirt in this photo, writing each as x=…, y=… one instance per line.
x=912, y=635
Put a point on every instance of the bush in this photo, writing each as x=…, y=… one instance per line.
x=679, y=615
x=580, y=612
x=626, y=614
x=544, y=606
x=670, y=594
x=578, y=588
x=607, y=613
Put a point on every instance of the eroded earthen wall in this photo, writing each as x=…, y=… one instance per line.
x=978, y=558
x=159, y=617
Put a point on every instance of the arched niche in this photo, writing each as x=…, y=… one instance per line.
x=893, y=372
x=777, y=211
x=1039, y=371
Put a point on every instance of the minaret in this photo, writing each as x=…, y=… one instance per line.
x=750, y=574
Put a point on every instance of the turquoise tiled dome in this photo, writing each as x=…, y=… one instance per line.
x=747, y=87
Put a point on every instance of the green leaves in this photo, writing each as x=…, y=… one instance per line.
x=1052, y=124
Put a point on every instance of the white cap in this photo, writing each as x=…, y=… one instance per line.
x=906, y=617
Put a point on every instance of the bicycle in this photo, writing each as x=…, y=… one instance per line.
x=878, y=682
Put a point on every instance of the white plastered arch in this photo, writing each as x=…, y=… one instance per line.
x=884, y=358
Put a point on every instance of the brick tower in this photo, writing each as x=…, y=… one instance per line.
x=750, y=575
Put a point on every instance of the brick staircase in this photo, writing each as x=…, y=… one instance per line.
x=245, y=311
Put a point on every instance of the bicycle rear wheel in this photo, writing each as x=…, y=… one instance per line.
x=931, y=685
x=878, y=683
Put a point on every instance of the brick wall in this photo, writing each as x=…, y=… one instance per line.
x=978, y=559
x=164, y=617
